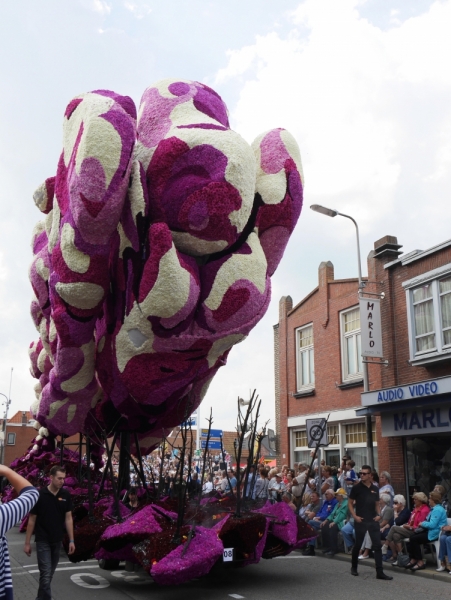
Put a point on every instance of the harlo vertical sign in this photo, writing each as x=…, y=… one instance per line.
x=370, y=321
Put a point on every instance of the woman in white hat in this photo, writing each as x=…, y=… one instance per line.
x=334, y=522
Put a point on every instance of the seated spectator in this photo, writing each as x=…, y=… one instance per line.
x=385, y=485
x=322, y=514
x=310, y=510
x=305, y=499
x=261, y=486
x=208, y=485
x=401, y=516
x=287, y=498
x=430, y=531
x=276, y=487
x=334, y=523
x=445, y=548
x=328, y=482
x=398, y=533
x=385, y=524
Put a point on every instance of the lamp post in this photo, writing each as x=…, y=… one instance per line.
x=331, y=212
x=7, y=403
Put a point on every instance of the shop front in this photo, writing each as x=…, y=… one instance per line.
x=346, y=434
x=420, y=415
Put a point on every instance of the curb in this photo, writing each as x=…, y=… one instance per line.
x=427, y=573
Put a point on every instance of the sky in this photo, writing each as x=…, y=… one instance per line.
x=364, y=87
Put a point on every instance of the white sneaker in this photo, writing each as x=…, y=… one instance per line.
x=441, y=568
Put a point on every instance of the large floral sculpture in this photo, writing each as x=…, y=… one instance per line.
x=162, y=231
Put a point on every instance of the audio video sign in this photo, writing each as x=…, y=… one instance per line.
x=423, y=390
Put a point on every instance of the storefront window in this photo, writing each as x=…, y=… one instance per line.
x=428, y=460
x=360, y=457
x=302, y=456
x=300, y=438
x=356, y=433
x=333, y=435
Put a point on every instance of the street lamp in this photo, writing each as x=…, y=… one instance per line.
x=7, y=403
x=331, y=212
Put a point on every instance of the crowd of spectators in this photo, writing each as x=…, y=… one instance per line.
x=425, y=523
x=319, y=494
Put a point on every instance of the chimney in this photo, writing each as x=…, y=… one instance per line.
x=285, y=305
x=24, y=418
x=387, y=248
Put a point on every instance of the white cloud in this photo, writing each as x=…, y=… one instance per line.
x=101, y=7
x=138, y=9
x=3, y=268
x=340, y=90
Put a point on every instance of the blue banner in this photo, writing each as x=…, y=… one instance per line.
x=214, y=433
x=212, y=444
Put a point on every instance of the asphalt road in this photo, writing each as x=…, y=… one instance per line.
x=287, y=578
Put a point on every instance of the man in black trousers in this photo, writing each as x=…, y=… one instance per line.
x=365, y=508
x=49, y=519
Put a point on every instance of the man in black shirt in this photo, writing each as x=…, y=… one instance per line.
x=365, y=508
x=51, y=515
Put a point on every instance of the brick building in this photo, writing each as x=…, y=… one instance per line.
x=319, y=370
x=318, y=367
x=18, y=435
x=413, y=400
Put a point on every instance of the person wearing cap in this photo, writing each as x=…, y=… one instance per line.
x=334, y=523
x=326, y=510
x=276, y=487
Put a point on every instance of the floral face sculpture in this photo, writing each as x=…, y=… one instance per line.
x=162, y=230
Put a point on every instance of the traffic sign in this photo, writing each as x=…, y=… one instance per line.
x=212, y=444
x=191, y=422
x=214, y=433
x=316, y=432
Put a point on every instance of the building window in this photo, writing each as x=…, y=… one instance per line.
x=11, y=439
x=356, y=433
x=305, y=360
x=351, y=345
x=300, y=439
x=333, y=434
x=429, y=314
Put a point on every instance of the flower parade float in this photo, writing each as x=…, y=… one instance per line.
x=161, y=230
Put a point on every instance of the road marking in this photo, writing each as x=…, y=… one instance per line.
x=138, y=579
x=102, y=582
x=293, y=556
x=68, y=562
x=235, y=596
x=71, y=568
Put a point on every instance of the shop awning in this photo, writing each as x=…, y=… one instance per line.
x=385, y=407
